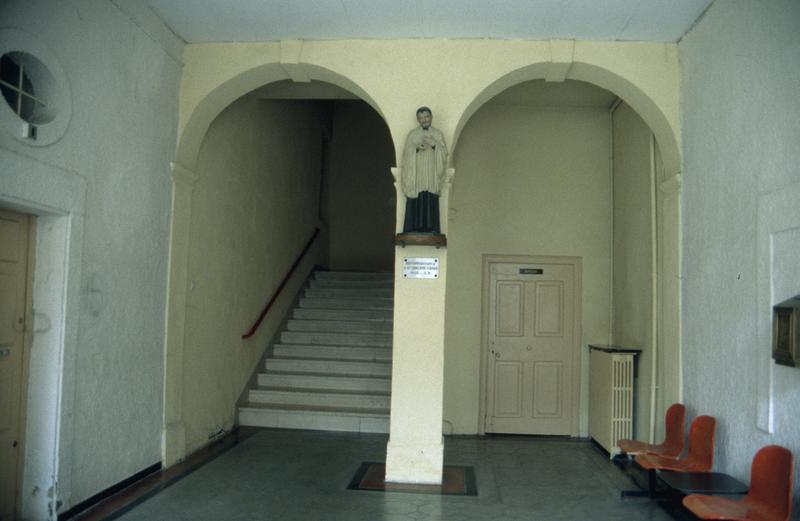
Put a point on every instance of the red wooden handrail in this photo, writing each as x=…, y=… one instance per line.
x=263, y=314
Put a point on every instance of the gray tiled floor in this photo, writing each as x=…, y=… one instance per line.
x=303, y=475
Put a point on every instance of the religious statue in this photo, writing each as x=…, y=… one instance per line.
x=423, y=169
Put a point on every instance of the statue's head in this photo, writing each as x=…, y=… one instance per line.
x=424, y=117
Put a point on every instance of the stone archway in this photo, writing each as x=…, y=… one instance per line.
x=199, y=108
x=666, y=135
x=663, y=124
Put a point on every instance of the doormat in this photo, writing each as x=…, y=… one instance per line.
x=456, y=481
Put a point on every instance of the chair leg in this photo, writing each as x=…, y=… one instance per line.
x=650, y=491
x=651, y=482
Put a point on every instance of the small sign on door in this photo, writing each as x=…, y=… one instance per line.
x=420, y=268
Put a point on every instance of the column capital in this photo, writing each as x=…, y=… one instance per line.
x=182, y=175
x=448, y=176
x=672, y=185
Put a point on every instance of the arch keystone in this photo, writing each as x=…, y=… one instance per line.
x=290, y=52
x=562, y=55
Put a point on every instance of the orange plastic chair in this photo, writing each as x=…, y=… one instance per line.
x=700, y=456
x=672, y=446
x=770, y=496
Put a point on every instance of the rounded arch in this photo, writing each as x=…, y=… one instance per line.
x=202, y=100
x=205, y=110
x=659, y=112
x=666, y=136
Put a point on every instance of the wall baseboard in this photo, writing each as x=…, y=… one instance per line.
x=107, y=493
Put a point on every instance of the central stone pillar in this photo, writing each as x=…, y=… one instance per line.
x=415, y=452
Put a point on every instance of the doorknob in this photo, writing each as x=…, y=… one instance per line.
x=497, y=355
x=529, y=348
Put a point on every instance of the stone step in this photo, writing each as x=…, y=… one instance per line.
x=330, y=367
x=350, y=292
x=362, y=315
x=337, y=339
x=317, y=398
x=339, y=326
x=352, y=275
x=327, y=382
x=315, y=418
x=347, y=303
x=364, y=354
x=352, y=283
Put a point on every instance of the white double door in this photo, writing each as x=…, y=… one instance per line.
x=531, y=349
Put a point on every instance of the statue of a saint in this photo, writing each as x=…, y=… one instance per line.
x=424, y=162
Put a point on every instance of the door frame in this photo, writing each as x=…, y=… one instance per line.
x=577, y=265
x=57, y=199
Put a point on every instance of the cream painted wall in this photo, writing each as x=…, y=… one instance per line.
x=454, y=77
x=254, y=207
x=360, y=192
x=633, y=252
x=104, y=390
x=740, y=79
x=528, y=182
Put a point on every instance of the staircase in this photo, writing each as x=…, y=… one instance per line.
x=331, y=369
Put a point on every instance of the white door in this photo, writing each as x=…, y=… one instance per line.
x=531, y=349
x=14, y=230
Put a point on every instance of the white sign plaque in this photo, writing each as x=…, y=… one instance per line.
x=420, y=268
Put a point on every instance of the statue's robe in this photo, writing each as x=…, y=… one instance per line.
x=423, y=171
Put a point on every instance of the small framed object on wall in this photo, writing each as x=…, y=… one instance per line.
x=785, y=333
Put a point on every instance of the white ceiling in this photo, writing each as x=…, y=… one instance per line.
x=269, y=20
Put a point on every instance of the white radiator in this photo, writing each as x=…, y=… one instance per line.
x=611, y=396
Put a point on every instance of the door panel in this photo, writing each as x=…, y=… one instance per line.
x=549, y=309
x=531, y=349
x=510, y=309
x=14, y=230
x=508, y=398
x=547, y=384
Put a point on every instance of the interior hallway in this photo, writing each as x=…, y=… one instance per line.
x=303, y=475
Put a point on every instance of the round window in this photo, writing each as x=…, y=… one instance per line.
x=24, y=82
x=36, y=102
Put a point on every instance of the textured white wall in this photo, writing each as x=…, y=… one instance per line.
x=254, y=207
x=360, y=191
x=633, y=252
x=740, y=85
x=120, y=140
x=528, y=182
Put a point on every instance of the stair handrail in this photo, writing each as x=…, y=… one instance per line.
x=275, y=295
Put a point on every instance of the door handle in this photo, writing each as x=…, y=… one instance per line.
x=5, y=352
